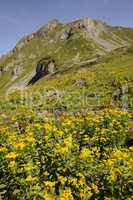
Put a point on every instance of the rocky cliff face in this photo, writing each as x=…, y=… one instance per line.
x=51, y=26
x=87, y=23
x=23, y=41
x=94, y=28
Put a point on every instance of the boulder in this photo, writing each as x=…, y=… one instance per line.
x=80, y=83
x=53, y=95
x=51, y=67
x=61, y=110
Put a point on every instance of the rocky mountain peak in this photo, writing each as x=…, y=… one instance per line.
x=88, y=23
x=43, y=31
x=23, y=41
x=48, y=27
x=54, y=22
x=94, y=27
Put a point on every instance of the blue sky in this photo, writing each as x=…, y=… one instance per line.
x=21, y=17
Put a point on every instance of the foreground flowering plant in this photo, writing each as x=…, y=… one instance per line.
x=72, y=157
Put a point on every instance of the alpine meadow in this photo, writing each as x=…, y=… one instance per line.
x=66, y=113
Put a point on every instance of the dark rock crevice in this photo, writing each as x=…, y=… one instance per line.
x=67, y=34
x=44, y=67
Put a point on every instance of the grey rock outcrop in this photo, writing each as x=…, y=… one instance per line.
x=93, y=28
x=66, y=34
x=51, y=26
x=97, y=31
x=45, y=67
x=43, y=31
x=80, y=83
x=53, y=95
x=16, y=72
x=61, y=110
x=23, y=41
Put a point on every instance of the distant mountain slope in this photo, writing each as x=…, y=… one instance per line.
x=57, y=50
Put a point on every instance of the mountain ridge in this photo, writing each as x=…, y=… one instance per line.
x=72, y=47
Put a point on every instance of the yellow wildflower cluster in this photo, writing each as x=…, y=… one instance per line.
x=11, y=155
x=78, y=157
x=66, y=195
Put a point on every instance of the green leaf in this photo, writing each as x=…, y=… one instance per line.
x=2, y=186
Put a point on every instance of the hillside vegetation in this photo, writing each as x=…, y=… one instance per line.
x=66, y=129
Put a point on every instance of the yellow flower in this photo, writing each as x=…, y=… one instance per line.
x=45, y=173
x=107, y=198
x=131, y=148
x=86, y=193
x=11, y=155
x=29, y=178
x=13, y=118
x=30, y=139
x=85, y=153
x=103, y=139
x=73, y=181
x=12, y=137
x=117, y=154
x=97, y=129
x=37, y=125
x=62, y=179
x=48, y=196
x=64, y=150
x=109, y=163
x=129, y=115
x=66, y=195
x=81, y=181
x=3, y=149
x=12, y=164
x=103, y=130
x=114, y=173
x=20, y=145
x=60, y=133
x=28, y=167
x=49, y=184
x=68, y=141
x=80, y=174
x=95, y=188
x=48, y=127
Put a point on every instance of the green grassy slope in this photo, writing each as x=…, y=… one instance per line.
x=83, y=87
